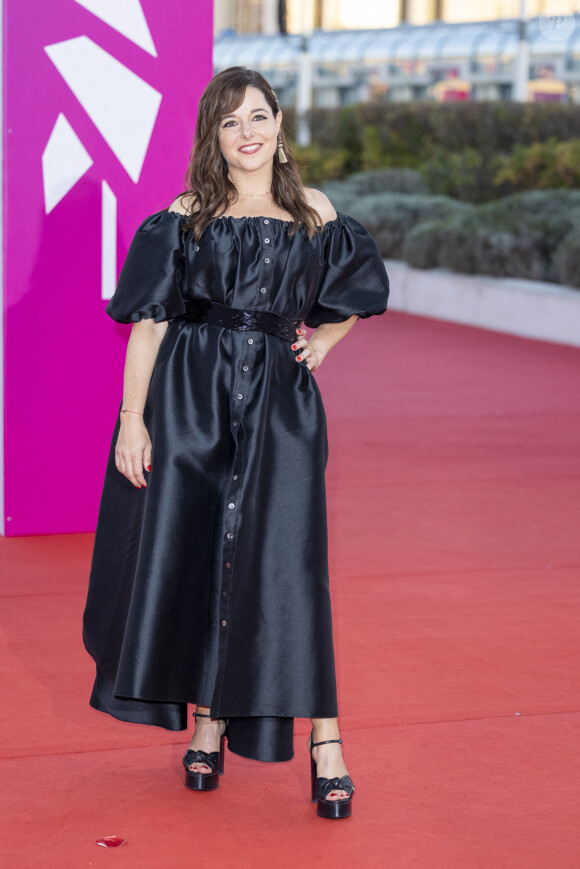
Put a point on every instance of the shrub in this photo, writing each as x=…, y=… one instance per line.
x=317, y=165
x=469, y=175
x=383, y=181
x=567, y=259
x=340, y=195
x=457, y=146
x=517, y=236
x=541, y=166
x=389, y=217
x=421, y=245
x=409, y=133
x=372, y=156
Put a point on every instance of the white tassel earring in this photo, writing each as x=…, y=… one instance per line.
x=281, y=155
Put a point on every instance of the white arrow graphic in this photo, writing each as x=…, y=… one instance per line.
x=122, y=106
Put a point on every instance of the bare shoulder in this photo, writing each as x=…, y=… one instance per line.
x=184, y=204
x=321, y=203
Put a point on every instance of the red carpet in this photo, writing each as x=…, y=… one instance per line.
x=455, y=548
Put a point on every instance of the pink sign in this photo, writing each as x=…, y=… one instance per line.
x=99, y=112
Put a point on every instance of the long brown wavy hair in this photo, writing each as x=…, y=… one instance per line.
x=210, y=190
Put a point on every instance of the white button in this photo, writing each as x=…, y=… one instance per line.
x=239, y=395
x=250, y=340
x=235, y=476
x=229, y=535
x=245, y=368
x=263, y=290
x=228, y=564
x=231, y=506
x=266, y=241
x=266, y=260
x=266, y=222
x=196, y=247
x=224, y=623
x=234, y=424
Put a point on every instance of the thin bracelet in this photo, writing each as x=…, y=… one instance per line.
x=131, y=411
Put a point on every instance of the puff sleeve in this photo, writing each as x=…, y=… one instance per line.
x=354, y=280
x=150, y=282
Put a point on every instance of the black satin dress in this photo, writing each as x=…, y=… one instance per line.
x=211, y=585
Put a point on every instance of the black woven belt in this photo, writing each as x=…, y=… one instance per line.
x=201, y=311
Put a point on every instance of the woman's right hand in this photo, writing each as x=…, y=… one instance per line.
x=133, y=450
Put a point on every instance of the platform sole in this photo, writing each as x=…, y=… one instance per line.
x=334, y=808
x=199, y=781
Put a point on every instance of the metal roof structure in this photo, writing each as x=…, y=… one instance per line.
x=407, y=41
x=405, y=61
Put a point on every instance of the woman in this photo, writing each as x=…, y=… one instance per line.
x=209, y=580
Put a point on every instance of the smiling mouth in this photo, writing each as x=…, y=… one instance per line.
x=250, y=149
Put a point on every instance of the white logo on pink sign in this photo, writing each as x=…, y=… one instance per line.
x=90, y=148
x=122, y=106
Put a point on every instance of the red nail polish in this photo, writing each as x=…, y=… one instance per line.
x=294, y=346
x=148, y=467
x=298, y=358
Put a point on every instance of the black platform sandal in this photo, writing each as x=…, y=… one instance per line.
x=321, y=787
x=205, y=781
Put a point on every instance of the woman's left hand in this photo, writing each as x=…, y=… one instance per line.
x=309, y=352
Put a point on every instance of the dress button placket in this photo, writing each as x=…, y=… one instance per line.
x=267, y=264
x=240, y=393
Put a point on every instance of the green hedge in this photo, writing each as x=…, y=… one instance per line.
x=567, y=259
x=534, y=235
x=541, y=166
x=458, y=147
x=381, y=181
x=409, y=130
x=390, y=217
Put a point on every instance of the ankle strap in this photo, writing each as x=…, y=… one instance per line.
x=325, y=742
x=200, y=715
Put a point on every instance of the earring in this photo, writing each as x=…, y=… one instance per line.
x=281, y=155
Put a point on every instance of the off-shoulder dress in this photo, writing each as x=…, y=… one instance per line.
x=211, y=584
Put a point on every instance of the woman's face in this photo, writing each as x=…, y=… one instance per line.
x=248, y=136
